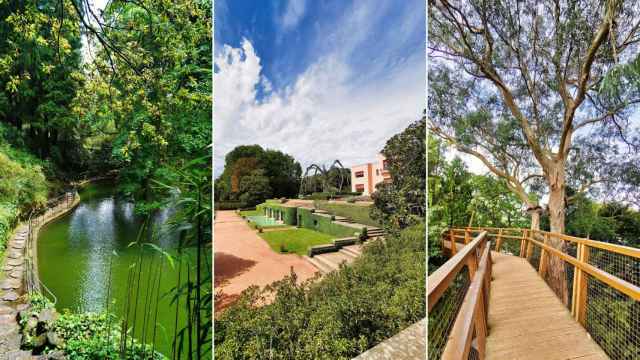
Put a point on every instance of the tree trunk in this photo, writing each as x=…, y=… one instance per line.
x=535, y=218
x=556, y=273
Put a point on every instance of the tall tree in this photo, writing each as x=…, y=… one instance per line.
x=522, y=86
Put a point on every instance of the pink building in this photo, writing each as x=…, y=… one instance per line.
x=365, y=177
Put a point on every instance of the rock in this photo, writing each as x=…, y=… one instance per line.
x=54, y=339
x=7, y=319
x=15, y=262
x=4, y=309
x=16, y=274
x=22, y=307
x=19, y=355
x=57, y=355
x=14, y=255
x=10, y=284
x=48, y=315
x=10, y=296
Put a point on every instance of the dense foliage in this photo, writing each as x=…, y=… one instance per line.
x=402, y=201
x=252, y=175
x=337, y=318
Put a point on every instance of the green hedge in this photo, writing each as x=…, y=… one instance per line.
x=8, y=220
x=357, y=213
x=323, y=224
x=289, y=213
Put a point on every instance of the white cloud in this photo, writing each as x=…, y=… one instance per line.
x=293, y=13
x=322, y=116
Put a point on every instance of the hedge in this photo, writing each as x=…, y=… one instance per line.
x=323, y=224
x=289, y=213
x=357, y=213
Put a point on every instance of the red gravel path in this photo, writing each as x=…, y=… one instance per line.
x=242, y=259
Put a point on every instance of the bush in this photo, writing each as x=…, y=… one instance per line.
x=229, y=205
x=340, y=316
x=82, y=336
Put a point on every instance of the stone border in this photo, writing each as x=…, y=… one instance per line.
x=408, y=344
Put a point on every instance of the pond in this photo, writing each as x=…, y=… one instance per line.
x=85, y=259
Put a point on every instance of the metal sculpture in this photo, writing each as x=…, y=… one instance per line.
x=324, y=175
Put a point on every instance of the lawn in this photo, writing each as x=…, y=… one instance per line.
x=296, y=240
x=251, y=213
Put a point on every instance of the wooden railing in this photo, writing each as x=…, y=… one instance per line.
x=466, y=334
x=602, y=279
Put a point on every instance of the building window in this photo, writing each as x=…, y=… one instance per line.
x=359, y=174
x=360, y=187
x=377, y=172
x=384, y=164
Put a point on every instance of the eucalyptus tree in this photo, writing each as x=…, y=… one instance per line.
x=541, y=92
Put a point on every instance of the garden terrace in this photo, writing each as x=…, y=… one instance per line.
x=496, y=297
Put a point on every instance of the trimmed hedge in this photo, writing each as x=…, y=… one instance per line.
x=289, y=213
x=323, y=224
x=357, y=213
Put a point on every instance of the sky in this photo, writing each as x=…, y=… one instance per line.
x=320, y=80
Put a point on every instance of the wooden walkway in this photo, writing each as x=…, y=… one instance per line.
x=528, y=321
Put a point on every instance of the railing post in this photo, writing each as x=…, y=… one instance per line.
x=530, y=244
x=466, y=235
x=580, y=282
x=452, y=239
x=542, y=268
x=499, y=240
x=523, y=242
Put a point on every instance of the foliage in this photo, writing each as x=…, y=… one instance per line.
x=401, y=202
x=295, y=240
x=281, y=170
x=347, y=312
x=254, y=188
x=230, y=205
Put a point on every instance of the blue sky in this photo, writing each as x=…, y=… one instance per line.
x=320, y=80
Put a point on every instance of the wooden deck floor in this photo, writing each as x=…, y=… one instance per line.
x=527, y=320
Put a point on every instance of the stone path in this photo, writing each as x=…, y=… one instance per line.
x=11, y=287
x=408, y=344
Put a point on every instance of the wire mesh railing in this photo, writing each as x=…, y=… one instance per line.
x=598, y=282
x=36, y=219
x=458, y=303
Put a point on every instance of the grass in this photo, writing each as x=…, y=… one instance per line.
x=250, y=213
x=295, y=240
x=357, y=213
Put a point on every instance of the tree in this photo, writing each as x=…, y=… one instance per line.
x=254, y=188
x=281, y=169
x=529, y=96
x=402, y=201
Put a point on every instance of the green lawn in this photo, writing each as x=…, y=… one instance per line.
x=251, y=213
x=296, y=240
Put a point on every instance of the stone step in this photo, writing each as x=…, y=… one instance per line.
x=327, y=263
x=4, y=309
x=318, y=265
x=335, y=259
x=348, y=253
x=8, y=319
x=354, y=249
x=19, y=355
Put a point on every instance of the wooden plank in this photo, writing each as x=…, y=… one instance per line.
x=528, y=321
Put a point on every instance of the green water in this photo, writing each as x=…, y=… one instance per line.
x=263, y=220
x=76, y=262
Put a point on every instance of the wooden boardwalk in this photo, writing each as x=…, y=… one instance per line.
x=528, y=321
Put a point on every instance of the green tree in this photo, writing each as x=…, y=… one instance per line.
x=402, y=201
x=255, y=188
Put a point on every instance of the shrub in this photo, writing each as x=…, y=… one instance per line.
x=357, y=213
x=340, y=316
x=229, y=205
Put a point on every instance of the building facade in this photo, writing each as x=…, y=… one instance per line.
x=365, y=177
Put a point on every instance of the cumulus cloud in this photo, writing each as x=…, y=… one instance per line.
x=323, y=115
